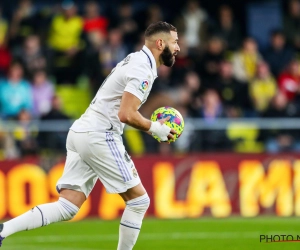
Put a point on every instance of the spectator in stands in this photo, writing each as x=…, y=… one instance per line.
x=279, y=54
x=193, y=24
x=289, y=80
x=164, y=82
x=94, y=22
x=3, y=29
x=282, y=139
x=56, y=112
x=25, y=134
x=154, y=14
x=5, y=55
x=184, y=61
x=113, y=51
x=94, y=44
x=245, y=61
x=188, y=98
x=31, y=55
x=192, y=82
x=177, y=95
x=227, y=28
x=262, y=88
x=95, y=33
x=8, y=148
x=66, y=43
x=212, y=108
x=125, y=22
x=54, y=140
x=233, y=93
x=208, y=65
x=292, y=23
x=42, y=92
x=15, y=93
x=24, y=22
x=183, y=96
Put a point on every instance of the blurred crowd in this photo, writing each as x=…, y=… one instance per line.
x=220, y=72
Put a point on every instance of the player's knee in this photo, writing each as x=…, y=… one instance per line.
x=147, y=203
x=140, y=204
x=68, y=216
x=68, y=209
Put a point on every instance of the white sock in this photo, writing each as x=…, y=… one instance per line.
x=131, y=221
x=41, y=215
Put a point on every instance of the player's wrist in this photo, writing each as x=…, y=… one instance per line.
x=152, y=128
x=160, y=130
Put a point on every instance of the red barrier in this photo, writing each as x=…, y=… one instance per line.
x=179, y=186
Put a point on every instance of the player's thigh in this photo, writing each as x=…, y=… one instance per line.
x=77, y=174
x=110, y=161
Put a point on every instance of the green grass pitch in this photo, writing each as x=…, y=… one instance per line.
x=233, y=233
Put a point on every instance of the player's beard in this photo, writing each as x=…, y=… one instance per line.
x=167, y=57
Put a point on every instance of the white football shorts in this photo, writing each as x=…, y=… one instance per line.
x=97, y=155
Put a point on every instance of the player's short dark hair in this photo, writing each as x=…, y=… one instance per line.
x=159, y=27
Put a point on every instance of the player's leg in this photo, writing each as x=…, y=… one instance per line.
x=74, y=186
x=137, y=203
x=108, y=158
x=65, y=208
x=76, y=197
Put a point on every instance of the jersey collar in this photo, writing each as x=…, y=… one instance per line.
x=150, y=58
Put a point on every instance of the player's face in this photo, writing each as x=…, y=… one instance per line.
x=170, y=51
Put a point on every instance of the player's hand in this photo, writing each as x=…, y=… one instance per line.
x=171, y=135
x=162, y=121
x=172, y=131
x=161, y=130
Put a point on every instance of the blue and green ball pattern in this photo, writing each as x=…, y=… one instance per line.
x=175, y=122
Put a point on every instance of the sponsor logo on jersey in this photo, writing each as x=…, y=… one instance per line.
x=144, y=85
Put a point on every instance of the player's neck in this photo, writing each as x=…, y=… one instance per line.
x=155, y=54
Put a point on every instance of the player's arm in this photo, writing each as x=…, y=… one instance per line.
x=129, y=114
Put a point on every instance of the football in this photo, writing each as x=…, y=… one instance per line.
x=176, y=120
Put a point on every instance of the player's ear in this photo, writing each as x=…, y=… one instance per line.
x=159, y=44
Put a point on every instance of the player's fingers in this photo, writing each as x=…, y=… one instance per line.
x=164, y=119
x=173, y=131
x=170, y=136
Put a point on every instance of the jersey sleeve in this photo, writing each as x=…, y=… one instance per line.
x=138, y=81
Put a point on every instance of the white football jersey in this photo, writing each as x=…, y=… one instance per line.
x=135, y=74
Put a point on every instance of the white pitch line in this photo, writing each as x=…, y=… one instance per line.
x=17, y=243
x=34, y=247
x=255, y=220
x=148, y=236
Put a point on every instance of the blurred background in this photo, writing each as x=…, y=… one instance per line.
x=236, y=81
